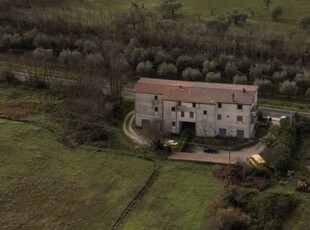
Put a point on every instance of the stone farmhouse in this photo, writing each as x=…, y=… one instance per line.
x=209, y=109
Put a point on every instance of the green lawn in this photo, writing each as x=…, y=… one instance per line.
x=178, y=199
x=46, y=185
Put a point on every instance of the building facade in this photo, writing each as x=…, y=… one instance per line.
x=210, y=109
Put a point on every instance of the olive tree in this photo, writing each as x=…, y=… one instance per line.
x=265, y=86
x=70, y=58
x=288, y=88
x=237, y=16
x=168, y=8
x=267, y=2
x=213, y=77
x=167, y=70
x=276, y=12
x=190, y=74
x=237, y=79
x=304, y=22
x=145, y=68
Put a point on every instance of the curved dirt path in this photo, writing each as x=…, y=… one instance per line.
x=132, y=134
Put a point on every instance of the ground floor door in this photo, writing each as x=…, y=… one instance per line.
x=240, y=134
x=222, y=132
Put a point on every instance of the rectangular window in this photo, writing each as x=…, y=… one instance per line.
x=194, y=105
x=219, y=117
x=239, y=107
x=172, y=109
x=156, y=109
x=205, y=112
x=219, y=105
x=191, y=114
x=156, y=97
x=173, y=123
x=179, y=103
x=182, y=113
x=239, y=119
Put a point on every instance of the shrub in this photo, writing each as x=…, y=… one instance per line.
x=161, y=57
x=224, y=59
x=244, y=64
x=62, y=42
x=86, y=46
x=231, y=218
x=95, y=62
x=70, y=58
x=255, y=73
x=43, y=55
x=279, y=77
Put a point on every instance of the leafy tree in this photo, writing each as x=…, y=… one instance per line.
x=86, y=46
x=139, y=55
x=212, y=9
x=303, y=83
x=231, y=69
x=11, y=41
x=70, y=58
x=175, y=53
x=274, y=40
x=255, y=72
x=208, y=66
x=145, y=68
x=184, y=62
x=42, y=40
x=240, y=79
x=168, y=8
x=307, y=94
x=63, y=42
x=95, y=62
x=224, y=59
x=279, y=77
x=43, y=55
x=288, y=88
x=304, y=22
x=245, y=64
x=190, y=74
x=276, y=12
x=219, y=23
x=161, y=57
x=265, y=86
x=213, y=77
x=267, y=2
x=167, y=70
x=237, y=16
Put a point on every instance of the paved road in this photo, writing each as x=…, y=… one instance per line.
x=127, y=92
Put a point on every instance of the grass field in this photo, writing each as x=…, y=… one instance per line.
x=46, y=185
x=178, y=199
x=292, y=9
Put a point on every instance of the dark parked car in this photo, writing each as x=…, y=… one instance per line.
x=210, y=149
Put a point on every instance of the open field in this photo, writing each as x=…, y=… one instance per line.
x=46, y=185
x=292, y=9
x=178, y=199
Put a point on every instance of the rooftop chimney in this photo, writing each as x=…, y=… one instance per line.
x=233, y=97
x=244, y=90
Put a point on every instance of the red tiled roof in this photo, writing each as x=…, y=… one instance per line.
x=198, y=92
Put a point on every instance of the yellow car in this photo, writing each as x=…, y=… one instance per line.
x=257, y=160
x=171, y=143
